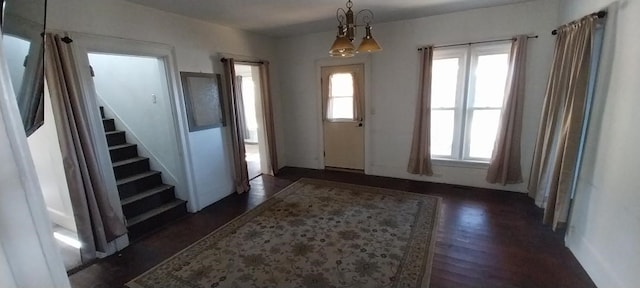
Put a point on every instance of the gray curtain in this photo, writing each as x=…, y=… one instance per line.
x=95, y=218
x=269, y=123
x=236, y=112
x=420, y=158
x=562, y=119
x=505, y=167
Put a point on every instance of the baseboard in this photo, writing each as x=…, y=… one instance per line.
x=601, y=274
x=59, y=218
x=400, y=173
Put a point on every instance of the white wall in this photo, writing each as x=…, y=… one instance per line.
x=47, y=158
x=133, y=90
x=197, y=47
x=394, y=84
x=605, y=221
x=6, y=277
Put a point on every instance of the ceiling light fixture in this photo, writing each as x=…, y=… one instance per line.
x=347, y=25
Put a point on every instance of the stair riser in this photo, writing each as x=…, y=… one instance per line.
x=109, y=125
x=132, y=188
x=138, y=230
x=102, y=112
x=127, y=170
x=123, y=153
x=143, y=205
x=116, y=139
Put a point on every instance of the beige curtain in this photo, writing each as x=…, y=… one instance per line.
x=420, y=158
x=95, y=218
x=242, y=121
x=504, y=167
x=561, y=122
x=358, y=93
x=269, y=124
x=236, y=111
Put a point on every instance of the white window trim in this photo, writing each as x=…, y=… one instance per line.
x=468, y=56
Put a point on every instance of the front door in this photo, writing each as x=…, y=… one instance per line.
x=343, y=117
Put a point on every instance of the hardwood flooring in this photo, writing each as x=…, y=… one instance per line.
x=486, y=238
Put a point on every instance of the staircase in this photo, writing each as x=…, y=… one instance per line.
x=147, y=203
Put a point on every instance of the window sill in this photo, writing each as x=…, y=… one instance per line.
x=460, y=163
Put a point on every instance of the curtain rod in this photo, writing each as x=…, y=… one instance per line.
x=599, y=14
x=243, y=61
x=478, y=42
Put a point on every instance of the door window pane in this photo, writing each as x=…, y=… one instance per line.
x=340, y=102
x=491, y=76
x=341, y=84
x=442, y=122
x=341, y=108
x=444, y=83
x=484, y=126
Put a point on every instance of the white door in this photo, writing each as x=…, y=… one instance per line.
x=343, y=117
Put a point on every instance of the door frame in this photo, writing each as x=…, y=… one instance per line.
x=90, y=43
x=366, y=62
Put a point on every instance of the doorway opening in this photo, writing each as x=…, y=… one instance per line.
x=135, y=104
x=252, y=123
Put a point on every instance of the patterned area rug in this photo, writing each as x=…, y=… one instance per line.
x=313, y=233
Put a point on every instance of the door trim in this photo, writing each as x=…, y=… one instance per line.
x=368, y=107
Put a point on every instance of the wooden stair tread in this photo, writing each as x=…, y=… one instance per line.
x=113, y=132
x=136, y=177
x=153, y=212
x=145, y=194
x=129, y=161
x=121, y=146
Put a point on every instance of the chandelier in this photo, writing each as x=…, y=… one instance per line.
x=347, y=25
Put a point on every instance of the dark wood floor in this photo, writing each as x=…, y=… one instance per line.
x=486, y=238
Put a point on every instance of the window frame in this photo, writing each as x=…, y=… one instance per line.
x=465, y=96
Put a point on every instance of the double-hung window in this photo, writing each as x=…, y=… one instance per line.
x=467, y=93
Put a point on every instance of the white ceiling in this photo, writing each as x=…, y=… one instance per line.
x=293, y=17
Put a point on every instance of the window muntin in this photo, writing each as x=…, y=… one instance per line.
x=466, y=131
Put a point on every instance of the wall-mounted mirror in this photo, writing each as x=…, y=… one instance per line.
x=22, y=27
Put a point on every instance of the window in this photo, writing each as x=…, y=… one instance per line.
x=467, y=92
x=340, y=98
